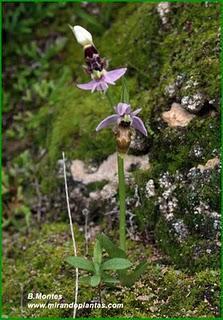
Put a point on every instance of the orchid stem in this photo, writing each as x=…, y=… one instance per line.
x=121, y=183
x=122, y=209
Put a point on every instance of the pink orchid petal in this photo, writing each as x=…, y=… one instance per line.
x=113, y=75
x=134, y=113
x=107, y=121
x=98, y=87
x=123, y=108
x=94, y=87
x=104, y=85
x=128, y=110
x=110, y=82
x=139, y=125
x=87, y=86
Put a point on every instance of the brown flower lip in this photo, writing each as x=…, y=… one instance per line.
x=123, y=136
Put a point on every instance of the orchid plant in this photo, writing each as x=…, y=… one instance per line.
x=123, y=122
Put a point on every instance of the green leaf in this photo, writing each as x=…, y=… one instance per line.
x=125, y=91
x=109, y=246
x=81, y=263
x=95, y=280
x=96, y=268
x=110, y=280
x=128, y=279
x=97, y=257
x=116, y=264
x=86, y=280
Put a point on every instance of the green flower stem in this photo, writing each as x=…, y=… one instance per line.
x=121, y=183
x=122, y=209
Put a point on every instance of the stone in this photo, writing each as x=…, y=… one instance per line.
x=145, y=297
x=177, y=116
x=171, y=90
x=107, y=170
x=150, y=188
x=193, y=103
x=163, y=9
x=139, y=144
x=210, y=164
x=107, y=192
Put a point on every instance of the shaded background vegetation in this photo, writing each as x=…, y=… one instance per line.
x=44, y=114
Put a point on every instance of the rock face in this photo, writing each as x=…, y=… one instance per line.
x=187, y=208
x=177, y=116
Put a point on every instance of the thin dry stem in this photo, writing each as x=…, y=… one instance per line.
x=72, y=234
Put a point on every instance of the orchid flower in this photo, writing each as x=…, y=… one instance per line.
x=103, y=80
x=124, y=117
x=96, y=66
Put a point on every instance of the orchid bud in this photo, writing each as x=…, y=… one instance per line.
x=83, y=37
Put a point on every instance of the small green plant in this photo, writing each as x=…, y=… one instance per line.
x=127, y=278
x=99, y=267
x=15, y=199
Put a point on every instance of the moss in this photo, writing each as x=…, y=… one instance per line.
x=172, y=147
x=147, y=215
x=192, y=47
x=198, y=202
x=177, y=285
x=135, y=34
x=160, y=293
x=40, y=267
